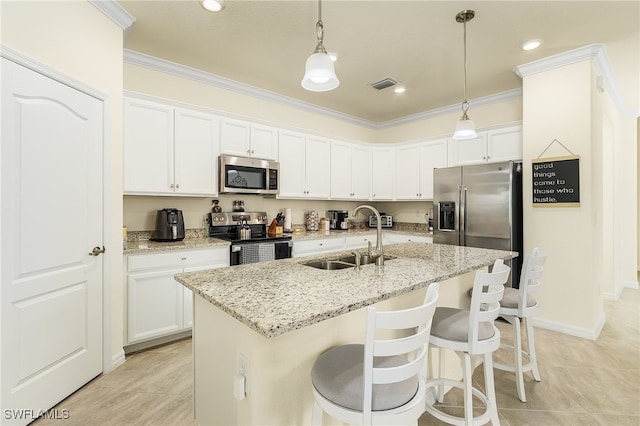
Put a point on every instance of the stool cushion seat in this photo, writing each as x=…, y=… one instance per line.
x=453, y=324
x=338, y=376
x=510, y=298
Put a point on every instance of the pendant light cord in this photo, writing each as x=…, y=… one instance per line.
x=320, y=30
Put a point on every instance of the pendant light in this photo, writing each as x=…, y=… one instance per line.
x=320, y=74
x=465, y=129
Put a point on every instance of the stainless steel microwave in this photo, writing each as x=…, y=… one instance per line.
x=245, y=175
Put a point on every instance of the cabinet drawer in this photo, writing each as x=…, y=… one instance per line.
x=179, y=259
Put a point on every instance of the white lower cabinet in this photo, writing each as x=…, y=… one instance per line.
x=399, y=237
x=157, y=305
x=308, y=247
x=360, y=241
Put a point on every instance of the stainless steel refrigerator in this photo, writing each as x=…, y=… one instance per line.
x=480, y=206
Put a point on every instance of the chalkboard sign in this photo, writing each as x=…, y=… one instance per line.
x=556, y=181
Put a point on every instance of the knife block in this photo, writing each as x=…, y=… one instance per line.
x=274, y=229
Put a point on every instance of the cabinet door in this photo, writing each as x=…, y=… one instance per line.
x=432, y=155
x=154, y=305
x=407, y=174
x=341, y=170
x=382, y=173
x=504, y=144
x=264, y=142
x=148, y=147
x=360, y=172
x=234, y=137
x=318, y=167
x=360, y=241
x=291, y=155
x=472, y=151
x=196, y=153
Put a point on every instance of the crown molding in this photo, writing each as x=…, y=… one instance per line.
x=157, y=64
x=116, y=13
x=140, y=59
x=484, y=100
x=594, y=52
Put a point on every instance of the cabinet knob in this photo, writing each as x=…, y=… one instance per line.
x=184, y=258
x=177, y=185
x=171, y=186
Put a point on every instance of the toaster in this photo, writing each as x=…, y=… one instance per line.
x=385, y=220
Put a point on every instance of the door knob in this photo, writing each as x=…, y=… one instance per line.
x=97, y=251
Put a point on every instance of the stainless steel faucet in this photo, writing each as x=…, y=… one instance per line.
x=378, y=253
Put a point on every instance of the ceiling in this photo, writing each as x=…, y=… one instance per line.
x=417, y=43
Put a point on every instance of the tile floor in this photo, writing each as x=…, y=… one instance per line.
x=583, y=382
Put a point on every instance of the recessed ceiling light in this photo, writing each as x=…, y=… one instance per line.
x=213, y=5
x=399, y=89
x=531, y=44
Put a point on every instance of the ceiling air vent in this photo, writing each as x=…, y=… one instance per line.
x=384, y=83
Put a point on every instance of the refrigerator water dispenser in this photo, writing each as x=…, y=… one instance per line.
x=447, y=216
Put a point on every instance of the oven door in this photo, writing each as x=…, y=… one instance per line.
x=253, y=252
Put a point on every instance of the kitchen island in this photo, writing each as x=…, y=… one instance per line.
x=281, y=315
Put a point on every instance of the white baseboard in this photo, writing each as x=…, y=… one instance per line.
x=585, y=333
x=117, y=360
x=616, y=296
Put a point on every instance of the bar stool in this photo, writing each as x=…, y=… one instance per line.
x=382, y=381
x=470, y=333
x=519, y=303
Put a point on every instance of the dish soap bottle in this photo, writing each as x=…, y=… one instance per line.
x=216, y=208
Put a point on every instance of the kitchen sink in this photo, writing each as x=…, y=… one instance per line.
x=364, y=259
x=342, y=262
x=329, y=265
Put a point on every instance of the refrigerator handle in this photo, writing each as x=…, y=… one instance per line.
x=462, y=216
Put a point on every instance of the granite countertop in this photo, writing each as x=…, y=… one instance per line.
x=142, y=244
x=277, y=297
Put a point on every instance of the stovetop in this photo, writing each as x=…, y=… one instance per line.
x=225, y=226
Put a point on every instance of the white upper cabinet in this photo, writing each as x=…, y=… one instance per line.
x=148, y=147
x=504, y=144
x=350, y=171
x=433, y=155
x=493, y=146
x=195, y=153
x=414, y=169
x=169, y=151
x=305, y=164
x=245, y=139
x=382, y=173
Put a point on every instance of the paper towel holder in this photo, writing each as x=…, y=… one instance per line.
x=287, y=221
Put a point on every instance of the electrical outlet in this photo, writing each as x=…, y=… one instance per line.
x=243, y=369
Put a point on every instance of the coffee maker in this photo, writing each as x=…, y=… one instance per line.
x=169, y=225
x=338, y=219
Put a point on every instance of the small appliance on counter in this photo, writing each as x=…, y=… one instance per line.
x=386, y=221
x=338, y=219
x=169, y=225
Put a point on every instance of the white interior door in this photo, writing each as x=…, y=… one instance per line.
x=51, y=290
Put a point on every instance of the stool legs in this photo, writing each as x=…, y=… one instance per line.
x=519, y=367
x=517, y=352
x=490, y=388
x=467, y=385
x=533, y=360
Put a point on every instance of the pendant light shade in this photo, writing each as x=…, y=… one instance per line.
x=465, y=129
x=320, y=74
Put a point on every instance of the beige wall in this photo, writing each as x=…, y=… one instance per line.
x=78, y=41
x=590, y=254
